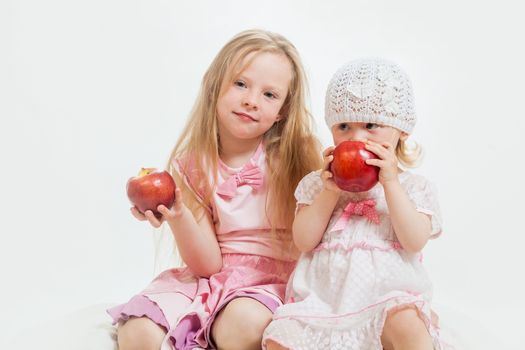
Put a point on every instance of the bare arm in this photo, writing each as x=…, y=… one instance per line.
x=196, y=240
x=412, y=227
x=310, y=222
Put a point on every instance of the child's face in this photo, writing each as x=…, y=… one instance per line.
x=250, y=105
x=366, y=131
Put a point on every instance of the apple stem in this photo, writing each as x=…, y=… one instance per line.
x=146, y=171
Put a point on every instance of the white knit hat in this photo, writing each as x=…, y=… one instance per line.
x=371, y=91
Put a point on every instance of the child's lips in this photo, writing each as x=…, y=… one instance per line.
x=245, y=116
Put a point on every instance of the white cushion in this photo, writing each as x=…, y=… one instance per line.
x=86, y=329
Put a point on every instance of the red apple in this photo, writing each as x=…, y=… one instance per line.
x=151, y=188
x=350, y=171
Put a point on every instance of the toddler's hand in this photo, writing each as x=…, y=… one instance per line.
x=387, y=161
x=326, y=174
x=168, y=214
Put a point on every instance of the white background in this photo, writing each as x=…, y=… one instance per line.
x=90, y=91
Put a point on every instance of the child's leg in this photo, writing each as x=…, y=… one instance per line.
x=140, y=334
x=240, y=325
x=271, y=345
x=404, y=329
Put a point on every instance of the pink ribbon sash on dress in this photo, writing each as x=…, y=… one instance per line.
x=364, y=208
x=250, y=175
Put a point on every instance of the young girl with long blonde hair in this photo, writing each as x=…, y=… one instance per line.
x=247, y=143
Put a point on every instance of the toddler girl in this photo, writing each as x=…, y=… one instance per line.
x=360, y=283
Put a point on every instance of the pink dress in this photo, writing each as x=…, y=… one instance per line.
x=255, y=265
x=339, y=294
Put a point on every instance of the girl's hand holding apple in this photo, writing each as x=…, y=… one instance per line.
x=153, y=194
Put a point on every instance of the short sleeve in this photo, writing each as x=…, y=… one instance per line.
x=424, y=196
x=308, y=188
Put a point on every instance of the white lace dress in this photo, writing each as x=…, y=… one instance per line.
x=339, y=293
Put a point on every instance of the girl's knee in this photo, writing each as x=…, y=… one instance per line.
x=272, y=345
x=404, y=323
x=140, y=333
x=240, y=324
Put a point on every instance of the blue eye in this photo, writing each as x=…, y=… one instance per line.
x=371, y=125
x=270, y=95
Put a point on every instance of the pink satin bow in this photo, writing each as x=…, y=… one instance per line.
x=364, y=208
x=250, y=175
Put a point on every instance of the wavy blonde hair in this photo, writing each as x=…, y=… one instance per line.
x=292, y=151
x=409, y=154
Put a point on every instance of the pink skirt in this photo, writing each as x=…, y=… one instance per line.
x=186, y=305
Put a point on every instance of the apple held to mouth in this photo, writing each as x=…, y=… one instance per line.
x=349, y=169
x=151, y=188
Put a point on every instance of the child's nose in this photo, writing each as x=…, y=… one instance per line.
x=250, y=100
x=358, y=135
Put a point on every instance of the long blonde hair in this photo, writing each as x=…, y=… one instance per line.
x=291, y=149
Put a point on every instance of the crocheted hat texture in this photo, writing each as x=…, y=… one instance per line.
x=371, y=91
